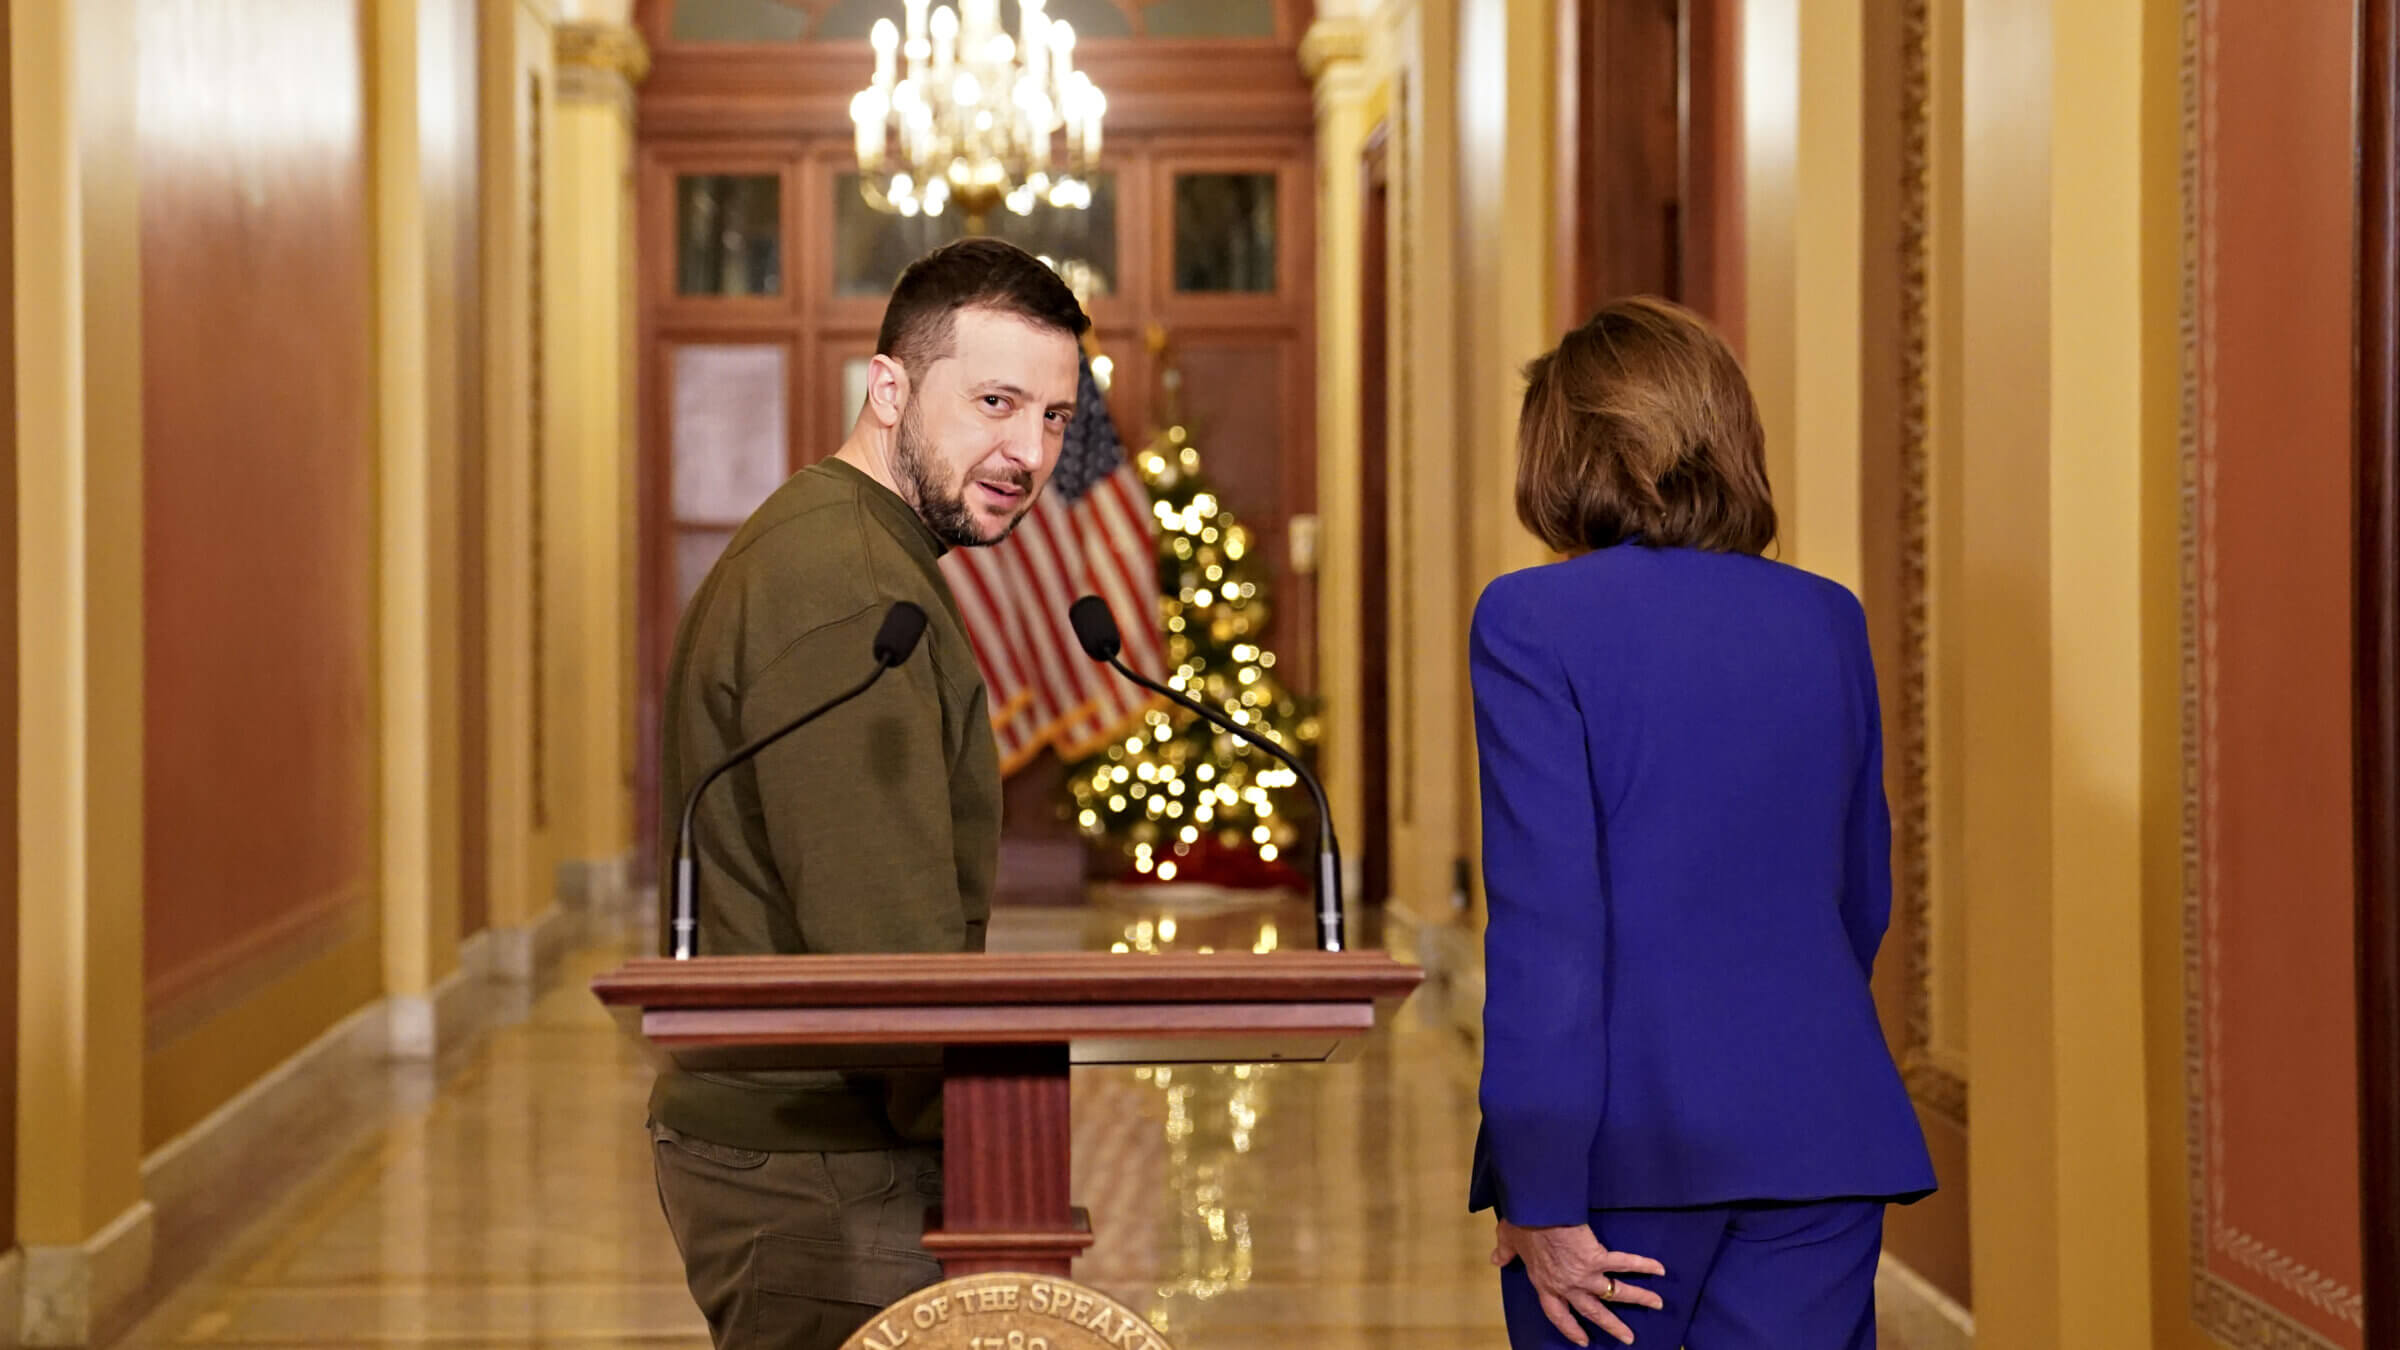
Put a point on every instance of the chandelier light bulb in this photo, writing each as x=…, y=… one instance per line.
x=945, y=41
x=1001, y=120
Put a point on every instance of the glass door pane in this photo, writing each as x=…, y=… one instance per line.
x=730, y=445
x=739, y=21
x=1224, y=232
x=870, y=247
x=729, y=234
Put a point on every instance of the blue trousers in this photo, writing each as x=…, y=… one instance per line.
x=1749, y=1277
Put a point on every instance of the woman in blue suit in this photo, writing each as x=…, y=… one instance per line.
x=1687, y=857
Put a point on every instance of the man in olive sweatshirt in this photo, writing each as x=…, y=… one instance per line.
x=798, y=1198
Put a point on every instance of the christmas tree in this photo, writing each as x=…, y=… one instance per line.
x=1182, y=800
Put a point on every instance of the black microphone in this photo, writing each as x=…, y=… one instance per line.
x=903, y=625
x=1096, y=628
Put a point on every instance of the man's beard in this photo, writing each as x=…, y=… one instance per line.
x=944, y=508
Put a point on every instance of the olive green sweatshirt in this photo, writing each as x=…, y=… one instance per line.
x=876, y=828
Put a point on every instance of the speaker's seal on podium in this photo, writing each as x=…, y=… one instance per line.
x=1006, y=1311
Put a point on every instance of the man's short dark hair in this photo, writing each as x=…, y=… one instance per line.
x=978, y=273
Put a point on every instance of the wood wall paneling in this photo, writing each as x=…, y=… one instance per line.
x=259, y=521
x=2377, y=677
x=1646, y=134
x=2275, y=1176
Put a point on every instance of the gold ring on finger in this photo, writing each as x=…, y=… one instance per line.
x=1611, y=1291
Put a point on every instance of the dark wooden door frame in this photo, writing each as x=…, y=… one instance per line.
x=2376, y=382
x=1631, y=218
x=1375, y=593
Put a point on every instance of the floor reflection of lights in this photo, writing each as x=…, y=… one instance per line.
x=514, y=1206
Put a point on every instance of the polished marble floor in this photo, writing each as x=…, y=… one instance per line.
x=508, y=1201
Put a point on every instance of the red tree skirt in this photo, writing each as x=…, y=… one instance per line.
x=1210, y=862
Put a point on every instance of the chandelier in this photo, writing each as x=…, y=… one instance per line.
x=974, y=117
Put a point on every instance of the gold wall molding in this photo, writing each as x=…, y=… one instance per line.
x=1329, y=42
x=2222, y=1308
x=1935, y=1084
x=600, y=62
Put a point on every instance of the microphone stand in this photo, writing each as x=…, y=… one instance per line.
x=1329, y=867
x=902, y=626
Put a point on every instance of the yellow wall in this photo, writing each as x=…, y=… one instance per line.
x=1332, y=56
x=1464, y=90
x=517, y=125
x=79, y=569
x=188, y=1077
x=1803, y=100
x=1405, y=76
x=589, y=499
x=87, y=1084
x=2068, y=405
x=418, y=560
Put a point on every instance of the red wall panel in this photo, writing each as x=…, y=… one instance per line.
x=259, y=523
x=2275, y=1154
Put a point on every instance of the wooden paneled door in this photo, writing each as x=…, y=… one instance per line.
x=1644, y=134
x=764, y=275
x=2377, y=615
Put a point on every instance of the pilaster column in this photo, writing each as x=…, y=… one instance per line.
x=1803, y=101
x=1331, y=55
x=81, y=1217
x=418, y=561
x=2060, y=314
x=589, y=501
x=517, y=143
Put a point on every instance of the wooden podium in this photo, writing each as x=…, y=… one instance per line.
x=1005, y=1029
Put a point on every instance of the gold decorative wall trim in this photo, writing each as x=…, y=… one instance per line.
x=600, y=63
x=2239, y=1319
x=1933, y=1084
x=2222, y=1308
x=1401, y=451
x=1329, y=41
x=607, y=48
x=537, y=445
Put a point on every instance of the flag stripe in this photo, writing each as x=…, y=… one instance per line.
x=1093, y=533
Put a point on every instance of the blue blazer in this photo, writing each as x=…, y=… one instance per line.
x=1687, y=858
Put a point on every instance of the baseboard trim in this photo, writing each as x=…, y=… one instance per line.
x=593, y=883
x=1922, y=1316
x=77, y=1296
x=12, y=1298
x=187, y=1173
x=525, y=955
x=1453, y=961
x=452, y=1013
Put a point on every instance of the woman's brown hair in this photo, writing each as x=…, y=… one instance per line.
x=1640, y=424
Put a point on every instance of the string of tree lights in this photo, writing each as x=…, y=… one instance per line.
x=1180, y=799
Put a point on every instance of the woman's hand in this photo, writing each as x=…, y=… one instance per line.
x=1572, y=1273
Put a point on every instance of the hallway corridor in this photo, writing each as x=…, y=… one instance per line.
x=513, y=1205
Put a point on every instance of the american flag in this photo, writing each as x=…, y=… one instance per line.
x=1091, y=533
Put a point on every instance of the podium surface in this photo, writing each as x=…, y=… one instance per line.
x=1005, y=1030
